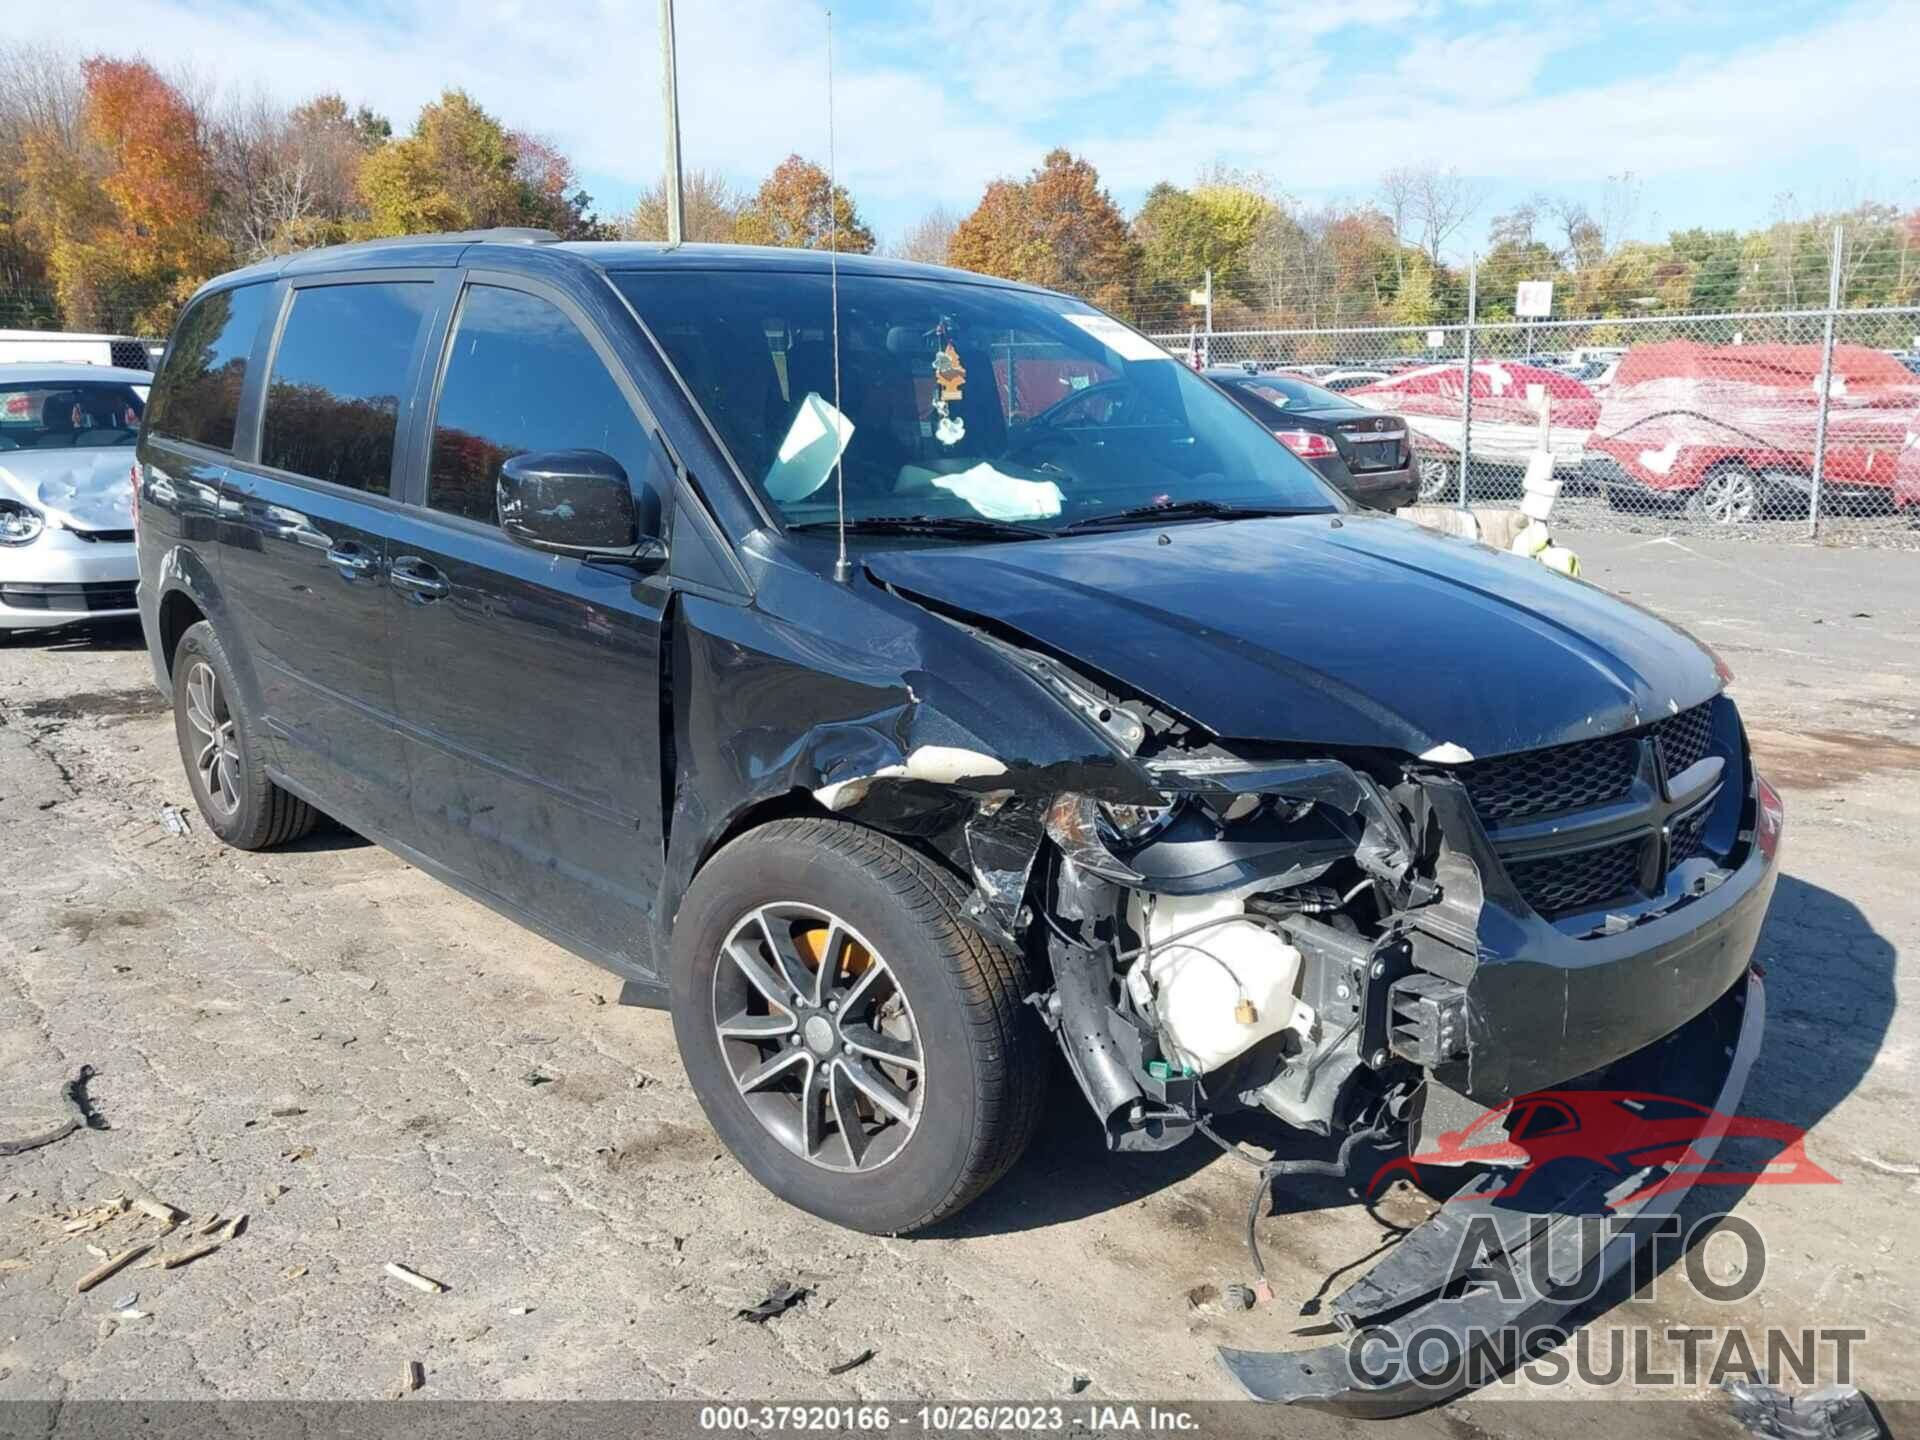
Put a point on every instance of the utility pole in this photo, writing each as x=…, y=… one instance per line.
x=669, y=85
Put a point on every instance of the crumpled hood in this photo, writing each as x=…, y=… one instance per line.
x=81, y=489
x=1374, y=633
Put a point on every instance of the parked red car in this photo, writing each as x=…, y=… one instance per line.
x=1619, y=1131
x=1728, y=432
x=1506, y=428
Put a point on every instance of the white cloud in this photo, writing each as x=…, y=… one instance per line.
x=939, y=96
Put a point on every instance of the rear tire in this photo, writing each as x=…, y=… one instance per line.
x=1438, y=479
x=220, y=748
x=1730, y=495
x=837, y=897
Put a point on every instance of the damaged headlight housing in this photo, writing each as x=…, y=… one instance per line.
x=20, y=524
x=1134, y=823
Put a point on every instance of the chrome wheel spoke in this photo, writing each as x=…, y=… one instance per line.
x=795, y=972
x=747, y=1026
x=877, y=1044
x=846, y=1115
x=881, y=1092
x=763, y=977
x=768, y=1070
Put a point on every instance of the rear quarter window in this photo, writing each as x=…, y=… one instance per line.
x=197, y=395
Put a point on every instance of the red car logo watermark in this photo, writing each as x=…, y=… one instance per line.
x=1617, y=1132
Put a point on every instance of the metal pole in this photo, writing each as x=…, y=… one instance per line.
x=1209, y=314
x=1466, y=379
x=670, y=85
x=1826, y=392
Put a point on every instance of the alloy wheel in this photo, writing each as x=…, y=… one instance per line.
x=818, y=1037
x=1726, y=497
x=1436, y=479
x=216, y=747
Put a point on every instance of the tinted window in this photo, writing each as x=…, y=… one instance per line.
x=521, y=377
x=1285, y=391
x=333, y=396
x=197, y=396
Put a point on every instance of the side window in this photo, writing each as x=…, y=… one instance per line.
x=333, y=395
x=521, y=377
x=197, y=396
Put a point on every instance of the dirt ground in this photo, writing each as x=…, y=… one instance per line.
x=375, y=1069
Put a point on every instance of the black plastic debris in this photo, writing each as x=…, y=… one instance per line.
x=73, y=1096
x=1832, y=1412
x=783, y=1298
x=845, y=1365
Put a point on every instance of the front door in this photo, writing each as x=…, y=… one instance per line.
x=304, y=545
x=528, y=684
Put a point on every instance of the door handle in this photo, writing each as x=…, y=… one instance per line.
x=350, y=560
x=416, y=579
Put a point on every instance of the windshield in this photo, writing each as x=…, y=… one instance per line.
x=80, y=415
x=959, y=403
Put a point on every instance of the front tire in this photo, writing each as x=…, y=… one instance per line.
x=220, y=747
x=866, y=1055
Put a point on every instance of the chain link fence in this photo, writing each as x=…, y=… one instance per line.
x=1780, y=424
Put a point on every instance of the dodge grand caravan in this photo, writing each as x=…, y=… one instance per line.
x=773, y=638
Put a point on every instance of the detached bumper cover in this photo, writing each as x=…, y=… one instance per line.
x=1474, y=1271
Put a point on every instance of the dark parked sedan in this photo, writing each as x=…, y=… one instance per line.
x=1366, y=455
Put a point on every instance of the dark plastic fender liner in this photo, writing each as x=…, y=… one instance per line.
x=1406, y=1290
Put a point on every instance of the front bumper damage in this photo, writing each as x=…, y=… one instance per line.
x=1485, y=1279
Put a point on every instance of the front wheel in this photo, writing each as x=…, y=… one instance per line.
x=866, y=1055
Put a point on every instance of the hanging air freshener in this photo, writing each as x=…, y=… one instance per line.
x=950, y=379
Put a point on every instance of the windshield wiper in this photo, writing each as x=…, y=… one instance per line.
x=970, y=526
x=1190, y=510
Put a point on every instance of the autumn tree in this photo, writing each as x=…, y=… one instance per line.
x=710, y=209
x=461, y=169
x=124, y=205
x=792, y=208
x=1057, y=228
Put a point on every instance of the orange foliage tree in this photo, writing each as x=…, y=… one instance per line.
x=1056, y=228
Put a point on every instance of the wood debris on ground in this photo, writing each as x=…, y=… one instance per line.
x=414, y=1278
x=113, y=1266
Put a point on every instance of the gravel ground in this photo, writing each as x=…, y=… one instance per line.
x=375, y=1069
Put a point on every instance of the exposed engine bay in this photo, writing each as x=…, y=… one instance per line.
x=1352, y=942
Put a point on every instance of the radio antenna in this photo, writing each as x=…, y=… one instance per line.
x=842, y=570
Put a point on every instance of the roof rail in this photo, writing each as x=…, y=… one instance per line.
x=499, y=235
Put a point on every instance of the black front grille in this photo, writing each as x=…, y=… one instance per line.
x=1684, y=738
x=104, y=537
x=96, y=596
x=1539, y=782
x=131, y=354
x=1566, y=779
x=1689, y=835
x=1581, y=880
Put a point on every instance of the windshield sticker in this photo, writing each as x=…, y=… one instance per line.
x=1118, y=338
x=1002, y=497
x=817, y=437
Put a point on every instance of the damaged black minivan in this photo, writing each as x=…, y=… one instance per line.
x=1107, y=726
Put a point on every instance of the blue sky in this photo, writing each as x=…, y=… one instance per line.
x=1716, y=108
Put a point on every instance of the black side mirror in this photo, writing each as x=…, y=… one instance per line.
x=575, y=502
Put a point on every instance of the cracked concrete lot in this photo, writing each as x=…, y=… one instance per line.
x=375, y=1069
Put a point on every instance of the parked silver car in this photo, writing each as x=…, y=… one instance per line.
x=66, y=503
